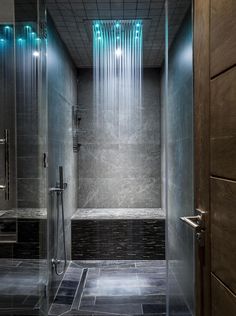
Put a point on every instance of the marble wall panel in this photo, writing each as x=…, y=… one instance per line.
x=119, y=163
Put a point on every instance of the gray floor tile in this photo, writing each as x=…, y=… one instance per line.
x=123, y=309
x=119, y=288
x=110, y=291
x=135, y=299
x=87, y=300
x=57, y=309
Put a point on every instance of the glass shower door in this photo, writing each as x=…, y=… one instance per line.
x=23, y=146
x=8, y=220
x=179, y=161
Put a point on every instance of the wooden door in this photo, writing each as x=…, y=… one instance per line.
x=215, y=148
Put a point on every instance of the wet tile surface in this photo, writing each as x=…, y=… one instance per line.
x=113, y=287
x=117, y=287
x=21, y=285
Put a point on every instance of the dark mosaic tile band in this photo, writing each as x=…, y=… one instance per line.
x=29, y=237
x=118, y=239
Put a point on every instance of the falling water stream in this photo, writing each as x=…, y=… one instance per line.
x=117, y=53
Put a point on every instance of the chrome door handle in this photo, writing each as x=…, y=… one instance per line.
x=192, y=221
x=6, y=186
x=198, y=224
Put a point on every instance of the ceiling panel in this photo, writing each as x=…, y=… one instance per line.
x=73, y=20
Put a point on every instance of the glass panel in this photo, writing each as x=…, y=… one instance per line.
x=23, y=113
x=8, y=222
x=62, y=99
x=179, y=160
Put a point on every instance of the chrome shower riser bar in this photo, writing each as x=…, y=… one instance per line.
x=59, y=190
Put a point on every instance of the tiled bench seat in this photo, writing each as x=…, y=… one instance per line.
x=118, y=234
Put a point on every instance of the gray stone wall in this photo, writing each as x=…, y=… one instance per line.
x=119, y=167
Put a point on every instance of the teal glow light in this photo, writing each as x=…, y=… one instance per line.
x=97, y=25
x=27, y=27
x=99, y=38
x=2, y=40
x=98, y=32
x=32, y=33
x=138, y=24
x=7, y=27
x=117, y=67
x=37, y=39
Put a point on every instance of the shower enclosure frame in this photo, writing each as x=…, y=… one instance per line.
x=200, y=97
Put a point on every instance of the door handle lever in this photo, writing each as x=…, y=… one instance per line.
x=196, y=222
x=193, y=221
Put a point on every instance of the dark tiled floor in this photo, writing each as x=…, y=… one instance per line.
x=21, y=285
x=114, y=288
x=91, y=288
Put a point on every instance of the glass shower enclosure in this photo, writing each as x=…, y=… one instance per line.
x=23, y=140
x=27, y=228
x=178, y=135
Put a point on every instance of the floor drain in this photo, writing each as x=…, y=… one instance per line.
x=78, y=294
